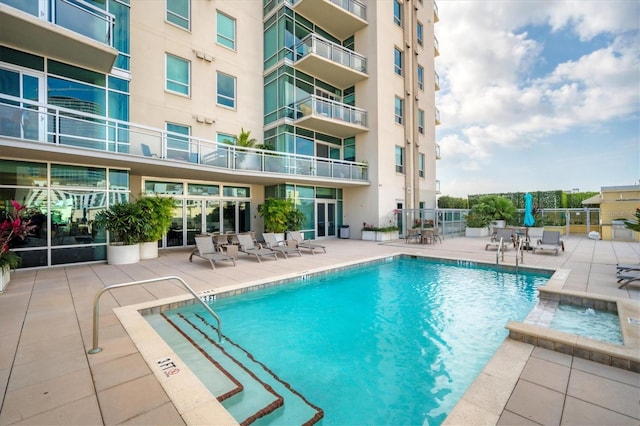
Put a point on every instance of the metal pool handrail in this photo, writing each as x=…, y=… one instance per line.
x=96, y=307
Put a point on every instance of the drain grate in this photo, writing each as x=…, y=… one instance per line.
x=634, y=321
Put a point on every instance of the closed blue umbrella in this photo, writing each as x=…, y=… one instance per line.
x=528, y=207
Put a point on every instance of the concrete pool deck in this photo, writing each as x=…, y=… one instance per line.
x=47, y=377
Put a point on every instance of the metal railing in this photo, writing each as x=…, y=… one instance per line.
x=332, y=51
x=75, y=15
x=352, y=6
x=60, y=125
x=96, y=306
x=327, y=108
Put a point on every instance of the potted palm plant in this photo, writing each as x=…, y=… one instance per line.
x=124, y=222
x=157, y=213
x=280, y=216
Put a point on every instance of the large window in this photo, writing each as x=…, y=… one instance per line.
x=397, y=61
x=420, y=77
x=397, y=12
x=419, y=33
x=421, y=165
x=399, y=159
x=178, y=12
x=399, y=110
x=226, y=90
x=178, y=75
x=421, y=121
x=226, y=28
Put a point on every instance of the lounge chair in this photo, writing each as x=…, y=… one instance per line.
x=502, y=236
x=621, y=267
x=205, y=249
x=301, y=243
x=278, y=246
x=550, y=241
x=626, y=277
x=247, y=246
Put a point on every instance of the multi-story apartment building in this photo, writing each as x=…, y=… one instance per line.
x=105, y=100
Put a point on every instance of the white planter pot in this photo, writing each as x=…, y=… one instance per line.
x=122, y=254
x=476, y=232
x=5, y=276
x=149, y=250
x=387, y=236
x=369, y=235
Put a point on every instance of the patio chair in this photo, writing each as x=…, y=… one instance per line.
x=278, y=246
x=205, y=249
x=502, y=236
x=413, y=235
x=626, y=277
x=550, y=241
x=304, y=244
x=247, y=246
x=435, y=235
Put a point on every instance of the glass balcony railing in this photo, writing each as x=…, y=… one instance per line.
x=352, y=6
x=66, y=127
x=75, y=15
x=327, y=108
x=436, y=81
x=436, y=46
x=437, y=152
x=331, y=51
x=437, y=116
x=436, y=17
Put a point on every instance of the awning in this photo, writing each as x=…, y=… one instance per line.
x=593, y=200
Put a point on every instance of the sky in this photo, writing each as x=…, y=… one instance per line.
x=538, y=95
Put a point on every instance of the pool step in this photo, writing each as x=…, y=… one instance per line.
x=247, y=388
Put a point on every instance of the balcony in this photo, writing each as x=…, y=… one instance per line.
x=70, y=31
x=436, y=17
x=436, y=81
x=330, y=62
x=438, y=187
x=437, y=152
x=436, y=47
x=342, y=18
x=330, y=117
x=58, y=134
x=437, y=114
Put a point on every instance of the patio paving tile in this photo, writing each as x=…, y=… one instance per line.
x=616, y=396
x=536, y=403
x=545, y=373
x=581, y=413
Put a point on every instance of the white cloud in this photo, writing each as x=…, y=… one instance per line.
x=489, y=99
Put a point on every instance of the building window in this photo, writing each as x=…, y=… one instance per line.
x=178, y=141
x=178, y=74
x=226, y=90
x=421, y=121
x=399, y=159
x=420, y=77
x=421, y=165
x=419, y=33
x=178, y=12
x=399, y=110
x=397, y=61
x=397, y=12
x=226, y=27
x=226, y=138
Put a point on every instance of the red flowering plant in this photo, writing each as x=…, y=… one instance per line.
x=12, y=226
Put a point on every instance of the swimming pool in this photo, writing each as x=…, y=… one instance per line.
x=392, y=342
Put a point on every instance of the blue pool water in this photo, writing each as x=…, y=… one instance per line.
x=396, y=342
x=588, y=322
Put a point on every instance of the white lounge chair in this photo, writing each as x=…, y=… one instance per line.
x=550, y=241
x=205, y=249
x=304, y=244
x=247, y=246
x=278, y=246
x=625, y=277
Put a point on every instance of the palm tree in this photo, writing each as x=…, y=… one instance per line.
x=244, y=139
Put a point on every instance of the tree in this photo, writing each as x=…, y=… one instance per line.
x=447, y=202
x=496, y=208
x=634, y=224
